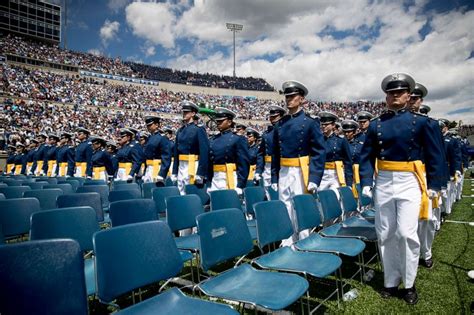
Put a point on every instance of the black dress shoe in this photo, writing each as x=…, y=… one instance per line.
x=389, y=292
x=410, y=296
x=428, y=263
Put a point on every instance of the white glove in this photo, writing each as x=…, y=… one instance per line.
x=367, y=191
x=88, y=177
x=238, y=190
x=432, y=194
x=129, y=177
x=174, y=177
x=198, y=180
x=159, y=178
x=459, y=178
x=444, y=193
x=274, y=187
x=257, y=177
x=312, y=187
x=458, y=173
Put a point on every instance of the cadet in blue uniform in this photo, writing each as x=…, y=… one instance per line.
x=37, y=167
x=191, y=151
x=10, y=167
x=298, y=153
x=128, y=156
x=264, y=165
x=349, y=128
x=157, y=153
x=49, y=161
x=363, y=118
x=20, y=159
x=240, y=129
x=254, y=151
x=397, y=141
x=101, y=162
x=83, y=153
x=338, y=164
x=144, y=135
x=31, y=155
x=112, y=150
x=65, y=156
x=229, y=155
x=459, y=175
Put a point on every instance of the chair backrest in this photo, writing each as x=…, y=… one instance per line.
x=94, y=182
x=11, y=192
x=201, y=192
x=273, y=194
x=2, y=196
x=223, y=235
x=35, y=185
x=91, y=199
x=160, y=194
x=77, y=223
x=117, y=195
x=74, y=183
x=4, y=185
x=81, y=180
x=66, y=188
x=102, y=190
x=14, y=182
x=151, y=256
x=120, y=182
x=253, y=195
x=331, y=209
x=349, y=203
x=47, y=197
x=132, y=211
x=181, y=211
x=42, y=277
x=130, y=186
x=147, y=187
x=273, y=222
x=52, y=180
x=15, y=215
x=225, y=199
x=307, y=212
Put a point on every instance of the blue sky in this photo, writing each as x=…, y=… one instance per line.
x=341, y=51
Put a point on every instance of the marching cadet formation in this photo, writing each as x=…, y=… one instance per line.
x=410, y=164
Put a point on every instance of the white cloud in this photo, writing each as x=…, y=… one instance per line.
x=117, y=5
x=95, y=51
x=340, y=50
x=109, y=31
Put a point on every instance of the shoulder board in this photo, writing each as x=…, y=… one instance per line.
x=131, y=145
x=360, y=142
x=341, y=136
x=420, y=115
x=89, y=142
x=375, y=118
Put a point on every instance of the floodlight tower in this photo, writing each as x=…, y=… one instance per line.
x=234, y=28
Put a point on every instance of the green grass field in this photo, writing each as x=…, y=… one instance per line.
x=445, y=289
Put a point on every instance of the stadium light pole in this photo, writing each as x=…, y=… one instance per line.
x=234, y=28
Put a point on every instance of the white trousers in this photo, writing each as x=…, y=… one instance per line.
x=330, y=181
x=290, y=184
x=183, y=175
x=267, y=179
x=446, y=200
x=397, y=200
x=459, y=187
x=219, y=181
x=427, y=230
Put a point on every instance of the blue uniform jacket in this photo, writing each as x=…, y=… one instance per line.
x=30, y=156
x=402, y=136
x=49, y=156
x=65, y=154
x=361, y=136
x=355, y=146
x=101, y=158
x=20, y=159
x=266, y=148
x=115, y=162
x=191, y=139
x=129, y=154
x=156, y=148
x=255, y=155
x=38, y=156
x=465, y=153
x=337, y=149
x=228, y=147
x=84, y=154
x=299, y=135
x=453, y=156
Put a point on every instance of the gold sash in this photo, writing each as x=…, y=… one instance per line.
x=229, y=169
x=83, y=166
x=127, y=166
x=51, y=165
x=17, y=169
x=339, y=167
x=303, y=162
x=191, y=158
x=356, y=180
x=62, y=168
x=39, y=167
x=268, y=158
x=96, y=171
x=252, y=170
x=156, y=164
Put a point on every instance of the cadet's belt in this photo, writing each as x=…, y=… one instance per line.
x=415, y=167
x=339, y=167
x=355, y=171
x=62, y=168
x=29, y=165
x=18, y=169
x=156, y=164
x=39, y=167
x=83, y=166
x=252, y=170
x=229, y=169
x=51, y=165
x=127, y=166
x=191, y=158
x=268, y=158
x=97, y=170
x=302, y=161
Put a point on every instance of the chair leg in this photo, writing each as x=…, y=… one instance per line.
x=361, y=267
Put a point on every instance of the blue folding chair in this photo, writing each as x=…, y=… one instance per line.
x=5, y=185
x=160, y=194
x=74, y=183
x=352, y=216
x=83, y=199
x=147, y=187
x=130, y=186
x=102, y=190
x=225, y=199
x=274, y=225
x=43, y=277
x=156, y=259
x=46, y=197
x=51, y=180
x=13, y=182
x=35, y=185
x=2, y=196
x=252, y=195
x=132, y=211
x=81, y=180
x=117, y=195
x=12, y=192
x=94, y=182
x=181, y=213
x=224, y=236
x=201, y=192
x=66, y=188
x=15, y=215
x=366, y=205
x=77, y=223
